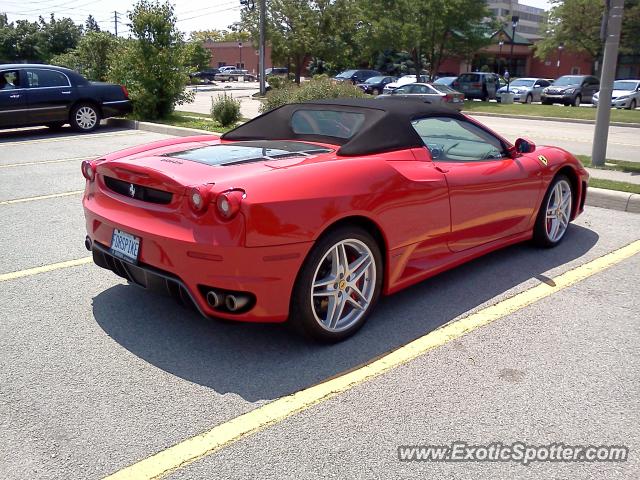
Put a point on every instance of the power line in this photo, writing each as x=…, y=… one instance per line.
x=208, y=13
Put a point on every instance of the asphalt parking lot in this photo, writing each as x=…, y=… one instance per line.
x=96, y=375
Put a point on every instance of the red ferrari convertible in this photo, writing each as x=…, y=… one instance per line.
x=311, y=211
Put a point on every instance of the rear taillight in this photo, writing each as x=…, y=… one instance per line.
x=199, y=198
x=125, y=91
x=88, y=168
x=228, y=203
x=448, y=97
x=476, y=85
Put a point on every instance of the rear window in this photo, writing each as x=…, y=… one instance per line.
x=326, y=123
x=469, y=77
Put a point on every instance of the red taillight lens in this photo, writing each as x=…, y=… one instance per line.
x=476, y=85
x=199, y=198
x=228, y=204
x=125, y=91
x=448, y=97
x=88, y=170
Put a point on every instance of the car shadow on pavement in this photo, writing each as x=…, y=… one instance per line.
x=264, y=362
x=44, y=133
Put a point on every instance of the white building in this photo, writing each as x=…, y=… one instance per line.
x=531, y=18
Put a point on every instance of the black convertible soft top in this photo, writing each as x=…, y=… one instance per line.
x=385, y=124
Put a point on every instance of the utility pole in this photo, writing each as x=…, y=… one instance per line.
x=613, y=12
x=115, y=22
x=263, y=14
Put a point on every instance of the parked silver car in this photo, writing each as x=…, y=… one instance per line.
x=526, y=90
x=435, y=94
x=626, y=94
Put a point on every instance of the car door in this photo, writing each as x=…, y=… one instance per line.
x=492, y=195
x=50, y=96
x=13, y=101
x=593, y=85
x=536, y=90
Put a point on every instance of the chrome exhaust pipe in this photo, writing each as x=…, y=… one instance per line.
x=87, y=243
x=236, y=302
x=213, y=299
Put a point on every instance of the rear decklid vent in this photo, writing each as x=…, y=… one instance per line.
x=139, y=192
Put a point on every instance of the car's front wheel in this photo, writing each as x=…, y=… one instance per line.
x=632, y=104
x=338, y=285
x=576, y=101
x=528, y=99
x=555, y=213
x=84, y=117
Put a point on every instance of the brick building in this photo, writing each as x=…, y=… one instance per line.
x=242, y=55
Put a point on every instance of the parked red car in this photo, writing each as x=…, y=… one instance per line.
x=311, y=211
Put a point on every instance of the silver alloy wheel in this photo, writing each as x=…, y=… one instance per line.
x=558, y=211
x=86, y=118
x=343, y=285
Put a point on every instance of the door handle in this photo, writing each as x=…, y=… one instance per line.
x=15, y=95
x=67, y=92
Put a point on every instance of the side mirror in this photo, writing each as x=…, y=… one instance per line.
x=524, y=145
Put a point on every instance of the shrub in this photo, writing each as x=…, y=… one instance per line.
x=225, y=110
x=314, y=89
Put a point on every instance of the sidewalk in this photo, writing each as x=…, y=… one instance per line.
x=628, y=177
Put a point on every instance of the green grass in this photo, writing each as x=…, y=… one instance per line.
x=187, y=120
x=550, y=111
x=614, y=185
x=619, y=165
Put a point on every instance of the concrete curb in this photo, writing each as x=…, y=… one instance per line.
x=158, y=128
x=613, y=200
x=596, y=197
x=548, y=119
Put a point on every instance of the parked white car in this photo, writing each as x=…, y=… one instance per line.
x=626, y=94
x=404, y=80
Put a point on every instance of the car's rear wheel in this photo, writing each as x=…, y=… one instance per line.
x=338, y=285
x=555, y=213
x=84, y=117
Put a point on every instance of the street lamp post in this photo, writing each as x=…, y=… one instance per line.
x=560, y=48
x=240, y=48
x=514, y=24
x=500, y=44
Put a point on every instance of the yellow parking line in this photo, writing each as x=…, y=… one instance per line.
x=45, y=268
x=208, y=442
x=9, y=165
x=41, y=197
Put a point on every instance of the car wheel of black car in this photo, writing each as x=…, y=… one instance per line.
x=529, y=99
x=554, y=214
x=576, y=101
x=632, y=104
x=375, y=91
x=84, y=117
x=337, y=286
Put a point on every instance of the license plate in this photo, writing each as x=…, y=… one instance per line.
x=125, y=246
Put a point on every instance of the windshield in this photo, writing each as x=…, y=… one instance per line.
x=347, y=74
x=523, y=82
x=374, y=80
x=568, y=80
x=444, y=80
x=624, y=85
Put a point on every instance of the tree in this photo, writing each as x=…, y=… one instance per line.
x=151, y=64
x=577, y=23
x=8, y=40
x=92, y=56
x=59, y=36
x=196, y=56
x=237, y=35
x=90, y=25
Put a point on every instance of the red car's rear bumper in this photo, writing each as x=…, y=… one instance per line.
x=196, y=257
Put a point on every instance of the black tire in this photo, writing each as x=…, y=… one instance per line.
x=540, y=236
x=528, y=99
x=302, y=316
x=84, y=117
x=375, y=91
x=576, y=101
x=632, y=104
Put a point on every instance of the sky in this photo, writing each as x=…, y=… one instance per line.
x=191, y=14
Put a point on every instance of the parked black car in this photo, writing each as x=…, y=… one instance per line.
x=47, y=95
x=375, y=85
x=209, y=74
x=356, y=76
x=571, y=90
